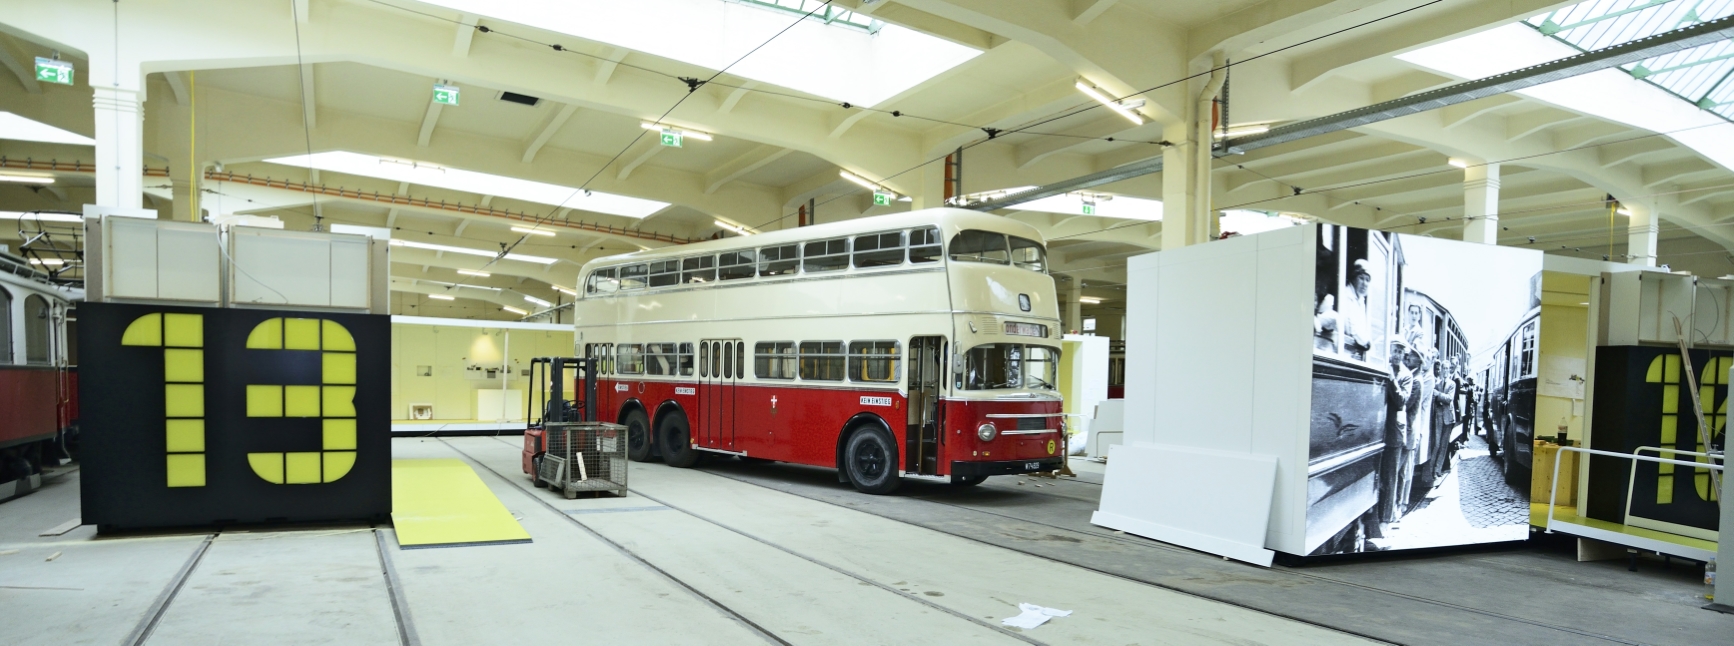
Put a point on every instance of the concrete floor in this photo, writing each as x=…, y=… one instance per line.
x=733, y=553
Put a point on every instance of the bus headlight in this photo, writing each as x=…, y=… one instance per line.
x=987, y=432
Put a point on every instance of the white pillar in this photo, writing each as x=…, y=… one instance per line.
x=119, y=146
x=1641, y=234
x=1075, y=306
x=1178, y=230
x=1481, y=204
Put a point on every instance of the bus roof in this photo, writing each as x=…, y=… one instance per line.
x=949, y=220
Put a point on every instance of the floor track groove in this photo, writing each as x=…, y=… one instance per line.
x=154, y=614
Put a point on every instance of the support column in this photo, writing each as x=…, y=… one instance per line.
x=1641, y=234
x=1481, y=204
x=119, y=147
x=1074, y=306
x=1186, y=166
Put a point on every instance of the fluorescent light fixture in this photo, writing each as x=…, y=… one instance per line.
x=413, y=172
x=565, y=291
x=19, y=128
x=514, y=310
x=735, y=228
x=442, y=297
x=1124, y=110
x=47, y=262
x=472, y=272
x=985, y=196
x=831, y=61
x=471, y=252
x=40, y=180
x=1089, y=300
x=1242, y=131
x=537, y=301
x=534, y=232
x=44, y=217
x=866, y=183
x=1460, y=163
x=688, y=134
x=1106, y=206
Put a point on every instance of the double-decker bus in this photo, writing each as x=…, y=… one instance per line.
x=920, y=343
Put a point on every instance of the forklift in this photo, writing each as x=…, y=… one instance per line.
x=553, y=407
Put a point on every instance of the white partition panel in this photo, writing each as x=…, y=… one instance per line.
x=299, y=269
x=161, y=260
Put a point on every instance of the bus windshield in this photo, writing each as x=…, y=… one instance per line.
x=971, y=245
x=1010, y=365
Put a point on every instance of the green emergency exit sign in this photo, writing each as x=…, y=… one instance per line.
x=446, y=94
x=49, y=70
x=881, y=199
x=1089, y=209
x=671, y=138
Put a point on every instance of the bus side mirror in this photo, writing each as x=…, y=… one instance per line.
x=956, y=363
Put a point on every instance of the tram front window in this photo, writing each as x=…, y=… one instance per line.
x=1010, y=365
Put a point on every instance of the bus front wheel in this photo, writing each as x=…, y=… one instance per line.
x=637, y=436
x=676, y=439
x=870, y=459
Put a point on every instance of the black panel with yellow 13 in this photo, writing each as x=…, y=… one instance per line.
x=202, y=416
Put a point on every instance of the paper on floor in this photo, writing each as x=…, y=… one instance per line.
x=1033, y=615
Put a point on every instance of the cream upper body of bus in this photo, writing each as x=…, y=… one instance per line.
x=934, y=322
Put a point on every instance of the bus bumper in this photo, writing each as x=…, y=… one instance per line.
x=1004, y=467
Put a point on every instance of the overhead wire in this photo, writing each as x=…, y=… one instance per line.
x=301, y=75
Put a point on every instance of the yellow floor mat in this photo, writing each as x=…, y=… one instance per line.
x=442, y=503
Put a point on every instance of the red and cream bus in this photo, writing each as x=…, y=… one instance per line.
x=921, y=343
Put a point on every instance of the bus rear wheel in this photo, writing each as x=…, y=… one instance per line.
x=637, y=436
x=676, y=438
x=870, y=460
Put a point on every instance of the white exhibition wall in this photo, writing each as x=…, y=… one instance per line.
x=1221, y=341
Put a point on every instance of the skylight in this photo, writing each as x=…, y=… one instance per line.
x=843, y=63
x=1610, y=94
x=1099, y=205
x=1247, y=223
x=1698, y=75
x=19, y=128
x=424, y=174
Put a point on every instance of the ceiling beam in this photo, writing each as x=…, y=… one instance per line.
x=466, y=34
x=12, y=59
x=551, y=125
x=1086, y=11
x=177, y=86
x=654, y=148
x=740, y=166
x=734, y=98
x=428, y=123
x=605, y=68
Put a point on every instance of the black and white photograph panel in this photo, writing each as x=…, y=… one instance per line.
x=1423, y=392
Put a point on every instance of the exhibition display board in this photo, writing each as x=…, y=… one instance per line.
x=1643, y=400
x=1391, y=378
x=208, y=416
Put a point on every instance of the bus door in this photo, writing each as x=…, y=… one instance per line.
x=926, y=373
x=716, y=393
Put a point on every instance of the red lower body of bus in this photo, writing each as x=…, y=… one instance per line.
x=807, y=425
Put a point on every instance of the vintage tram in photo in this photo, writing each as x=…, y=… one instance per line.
x=924, y=343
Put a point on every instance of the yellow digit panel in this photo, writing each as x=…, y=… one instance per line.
x=332, y=402
x=183, y=390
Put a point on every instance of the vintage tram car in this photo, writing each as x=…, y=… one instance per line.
x=38, y=377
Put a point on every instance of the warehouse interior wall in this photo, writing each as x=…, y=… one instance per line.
x=447, y=365
x=1564, y=331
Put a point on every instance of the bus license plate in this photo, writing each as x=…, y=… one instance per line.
x=1033, y=466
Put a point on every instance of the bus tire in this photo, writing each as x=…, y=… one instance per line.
x=870, y=458
x=968, y=481
x=675, y=435
x=637, y=435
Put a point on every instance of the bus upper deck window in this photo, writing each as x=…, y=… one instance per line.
x=825, y=255
x=602, y=281
x=778, y=261
x=1028, y=254
x=980, y=246
x=879, y=249
x=698, y=269
x=664, y=273
x=737, y=264
x=924, y=245
x=632, y=277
